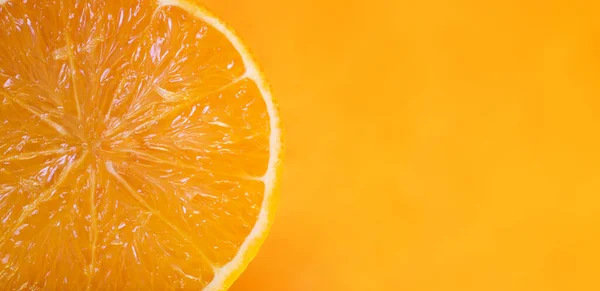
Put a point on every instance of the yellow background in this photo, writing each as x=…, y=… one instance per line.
x=431, y=145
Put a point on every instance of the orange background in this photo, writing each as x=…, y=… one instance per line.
x=431, y=145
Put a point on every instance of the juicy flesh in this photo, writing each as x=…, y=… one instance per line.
x=132, y=147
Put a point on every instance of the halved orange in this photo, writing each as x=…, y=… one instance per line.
x=139, y=147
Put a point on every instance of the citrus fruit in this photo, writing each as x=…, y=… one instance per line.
x=139, y=147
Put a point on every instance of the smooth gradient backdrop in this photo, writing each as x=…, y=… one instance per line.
x=431, y=145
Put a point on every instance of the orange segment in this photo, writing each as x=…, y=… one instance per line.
x=139, y=147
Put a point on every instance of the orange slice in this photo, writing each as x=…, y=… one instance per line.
x=139, y=147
